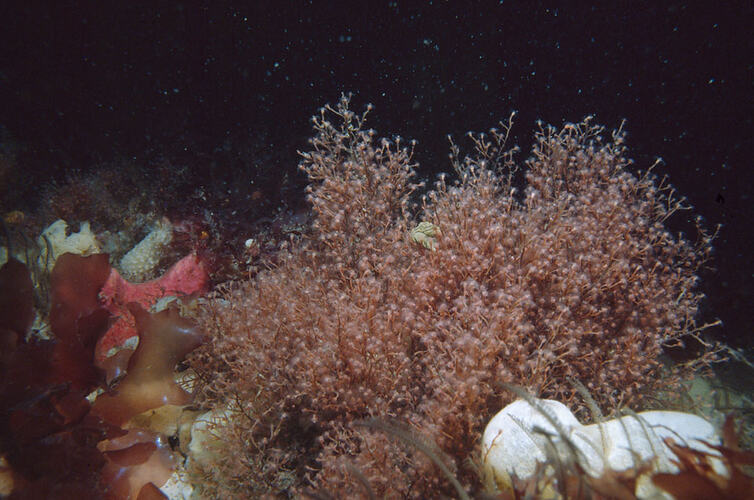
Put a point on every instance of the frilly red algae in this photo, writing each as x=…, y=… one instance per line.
x=46, y=432
x=77, y=317
x=136, y=460
x=75, y=283
x=16, y=307
x=115, y=366
x=151, y=492
x=164, y=340
x=16, y=298
x=49, y=437
x=46, y=369
x=136, y=454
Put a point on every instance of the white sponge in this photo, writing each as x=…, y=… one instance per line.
x=140, y=262
x=54, y=242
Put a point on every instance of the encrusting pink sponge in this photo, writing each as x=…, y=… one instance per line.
x=188, y=276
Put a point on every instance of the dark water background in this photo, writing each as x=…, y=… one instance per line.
x=225, y=90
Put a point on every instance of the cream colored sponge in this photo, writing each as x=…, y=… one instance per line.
x=141, y=261
x=55, y=241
